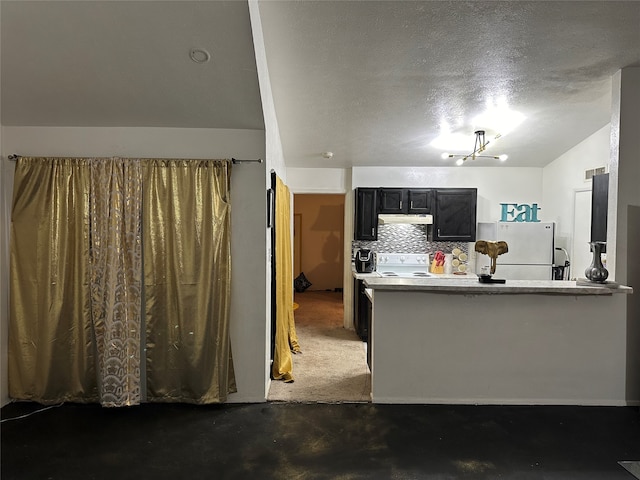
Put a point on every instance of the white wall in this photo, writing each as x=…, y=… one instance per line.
x=615, y=146
x=274, y=162
x=624, y=181
x=495, y=184
x=4, y=267
x=133, y=142
x=564, y=176
x=501, y=349
x=6, y=178
x=274, y=155
x=319, y=180
x=250, y=320
x=248, y=219
x=347, y=278
x=624, y=203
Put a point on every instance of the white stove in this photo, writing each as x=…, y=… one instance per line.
x=404, y=265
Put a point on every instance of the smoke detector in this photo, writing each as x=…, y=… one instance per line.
x=199, y=55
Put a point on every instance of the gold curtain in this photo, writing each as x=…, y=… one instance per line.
x=286, y=339
x=116, y=277
x=187, y=268
x=76, y=281
x=51, y=348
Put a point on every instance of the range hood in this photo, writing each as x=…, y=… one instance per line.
x=398, y=218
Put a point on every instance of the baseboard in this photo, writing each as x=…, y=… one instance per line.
x=505, y=401
x=246, y=400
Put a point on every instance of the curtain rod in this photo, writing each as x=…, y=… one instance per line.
x=15, y=156
x=252, y=160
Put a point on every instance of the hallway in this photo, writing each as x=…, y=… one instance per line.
x=332, y=367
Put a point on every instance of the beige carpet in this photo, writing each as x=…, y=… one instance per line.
x=332, y=367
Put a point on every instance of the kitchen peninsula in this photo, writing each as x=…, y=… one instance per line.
x=447, y=340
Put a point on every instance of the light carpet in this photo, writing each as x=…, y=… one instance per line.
x=332, y=367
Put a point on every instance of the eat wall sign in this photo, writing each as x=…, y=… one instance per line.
x=519, y=212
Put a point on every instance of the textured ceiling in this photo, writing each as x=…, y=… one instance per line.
x=372, y=81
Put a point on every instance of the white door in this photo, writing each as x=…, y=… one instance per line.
x=580, y=254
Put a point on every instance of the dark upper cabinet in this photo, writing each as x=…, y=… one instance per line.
x=405, y=200
x=453, y=209
x=392, y=200
x=455, y=214
x=419, y=201
x=599, y=207
x=366, y=221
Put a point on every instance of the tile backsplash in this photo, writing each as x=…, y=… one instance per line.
x=406, y=238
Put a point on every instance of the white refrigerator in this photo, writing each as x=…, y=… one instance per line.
x=531, y=249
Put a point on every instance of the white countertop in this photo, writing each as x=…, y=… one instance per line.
x=470, y=284
x=363, y=276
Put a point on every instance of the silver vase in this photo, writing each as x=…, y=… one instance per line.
x=596, y=272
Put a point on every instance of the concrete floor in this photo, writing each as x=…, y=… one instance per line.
x=319, y=441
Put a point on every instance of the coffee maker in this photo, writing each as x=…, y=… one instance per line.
x=365, y=261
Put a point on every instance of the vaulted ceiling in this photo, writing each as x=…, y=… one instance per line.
x=374, y=82
x=127, y=63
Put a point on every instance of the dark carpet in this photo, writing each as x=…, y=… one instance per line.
x=319, y=441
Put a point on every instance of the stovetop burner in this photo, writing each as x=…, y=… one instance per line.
x=388, y=274
x=406, y=274
x=405, y=265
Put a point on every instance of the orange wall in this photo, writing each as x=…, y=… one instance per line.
x=321, y=239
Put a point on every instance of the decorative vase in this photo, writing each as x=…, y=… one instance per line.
x=596, y=272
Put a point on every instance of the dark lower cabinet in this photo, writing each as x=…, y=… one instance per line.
x=362, y=310
x=369, y=330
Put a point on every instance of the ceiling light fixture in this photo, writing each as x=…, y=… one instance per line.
x=478, y=148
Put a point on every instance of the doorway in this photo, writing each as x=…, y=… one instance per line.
x=332, y=366
x=580, y=256
x=318, y=240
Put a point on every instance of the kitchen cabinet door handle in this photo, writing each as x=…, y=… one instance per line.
x=411, y=205
x=400, y=204
x=373, y=231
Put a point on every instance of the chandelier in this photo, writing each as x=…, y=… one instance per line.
x=478, y=148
